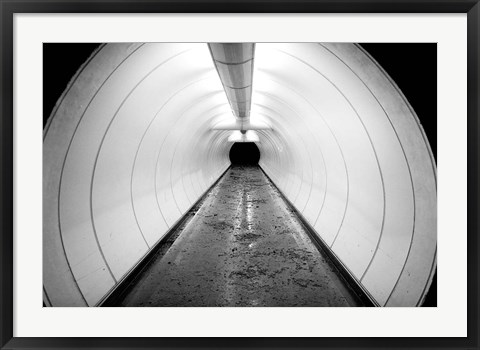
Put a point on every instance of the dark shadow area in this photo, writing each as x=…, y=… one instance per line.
x=431, y=297
x=60, y=64
x=413, y=67
x=244, y=153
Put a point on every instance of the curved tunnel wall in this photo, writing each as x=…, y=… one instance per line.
x=130, y=147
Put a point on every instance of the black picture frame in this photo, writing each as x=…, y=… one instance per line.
x=7, y=10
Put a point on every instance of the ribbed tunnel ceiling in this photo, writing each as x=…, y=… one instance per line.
x=234, y=64
x=143, y=131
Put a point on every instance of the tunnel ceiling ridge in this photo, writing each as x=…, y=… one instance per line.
x=234, y=64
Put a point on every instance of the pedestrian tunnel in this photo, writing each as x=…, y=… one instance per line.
x=144, y=130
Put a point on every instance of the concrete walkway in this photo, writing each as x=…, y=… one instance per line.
x=243, y=247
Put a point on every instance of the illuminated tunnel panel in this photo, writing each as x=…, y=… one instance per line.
x=132, y=145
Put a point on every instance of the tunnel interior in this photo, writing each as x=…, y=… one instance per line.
x=244, y=153
x=144, y=130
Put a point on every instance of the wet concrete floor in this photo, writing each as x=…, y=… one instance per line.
x=243, y=247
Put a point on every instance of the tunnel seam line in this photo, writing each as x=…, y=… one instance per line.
x=183, y=178
x=204, y=132
x=276, y=157
x=271, y=140
x=286, y=180
x=374, y=152
x=161, y=146
x=427, y=146
x=65, y=161
x=239, y=88
x=200, y=99
x=272, y=145
x=171, y=177
x=325, y=166
x=422, y=132
x=141, y=143
x=197, y=176
x=182, y=115
x=310, y=158
x=412, y=236
x=409, y=172
x=215, y=140
x=163, y=141
x=311, y=169
x=69, y=87
x=429, y=280
x=46, y=295
x=303, y=142
x=341, y=153
x=100, y=149
x=232, y=63
x=304, y=145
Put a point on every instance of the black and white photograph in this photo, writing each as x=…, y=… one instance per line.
x=239, y=174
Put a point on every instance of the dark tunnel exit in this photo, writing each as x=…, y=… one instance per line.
x=244, y=153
